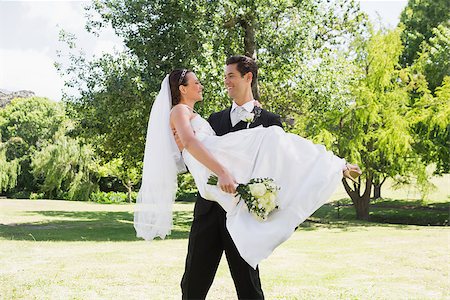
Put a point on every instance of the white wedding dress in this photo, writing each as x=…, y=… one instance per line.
x=306, y=173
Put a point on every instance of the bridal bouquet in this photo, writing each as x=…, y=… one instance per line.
x=260, y=195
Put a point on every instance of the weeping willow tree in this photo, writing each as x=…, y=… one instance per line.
x=25, y=125
x=66, y=168
x=9, y=170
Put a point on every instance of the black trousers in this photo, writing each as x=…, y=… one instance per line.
x=207, y=241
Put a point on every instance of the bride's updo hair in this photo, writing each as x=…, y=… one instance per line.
x=176, y=78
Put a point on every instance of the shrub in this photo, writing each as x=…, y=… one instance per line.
x=36, y=196
x=112, y=197
x=186, y=188
x=20, y=195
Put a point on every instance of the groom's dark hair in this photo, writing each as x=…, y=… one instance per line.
x=245, y=64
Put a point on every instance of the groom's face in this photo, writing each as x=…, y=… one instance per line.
x=235, y=83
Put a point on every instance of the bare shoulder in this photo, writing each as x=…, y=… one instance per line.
x=180, y=110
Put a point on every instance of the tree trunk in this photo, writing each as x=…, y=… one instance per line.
x=248, y=24
x=129, y=190
x=362, y=208
x=361, y=202
x=129, y=186
x=377, y=189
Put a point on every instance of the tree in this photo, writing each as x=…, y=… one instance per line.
x=286, y=38
x=26, y=124
x=374, y=130
x=112, y=112
x=429, y=100
x=9, y=170
x=434, y=60
x=66, y=168
x=129, y=177
x=419, y=18
x=431, y=124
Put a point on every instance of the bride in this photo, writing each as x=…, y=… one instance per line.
x=306, y=173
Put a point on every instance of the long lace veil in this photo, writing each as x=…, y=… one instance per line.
x=162, y=162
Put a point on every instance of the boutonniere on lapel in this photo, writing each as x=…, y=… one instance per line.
x=250, y=117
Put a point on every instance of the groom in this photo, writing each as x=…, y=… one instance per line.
x=209, y=237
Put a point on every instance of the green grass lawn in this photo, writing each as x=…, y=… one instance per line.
x=78, y=250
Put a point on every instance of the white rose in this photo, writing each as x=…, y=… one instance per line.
x=248, y=117
x=273, y=197
x=257, y=189
x=262, y=202
x=269, y=201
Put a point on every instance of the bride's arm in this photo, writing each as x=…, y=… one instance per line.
x=180, y=118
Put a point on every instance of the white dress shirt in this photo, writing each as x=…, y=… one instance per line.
x=236, y=109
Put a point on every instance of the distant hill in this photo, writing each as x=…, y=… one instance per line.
x=7, y=96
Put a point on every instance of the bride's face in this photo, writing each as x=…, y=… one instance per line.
x=193, y=89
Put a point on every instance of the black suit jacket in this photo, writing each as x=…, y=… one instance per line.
x=221, y=123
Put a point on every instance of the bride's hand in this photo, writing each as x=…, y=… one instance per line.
x=352, y=172
x=227, y=183
x=354, y=168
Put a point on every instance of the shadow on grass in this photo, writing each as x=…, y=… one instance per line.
x=87, y=226
x=342, y=215
x=118, y=226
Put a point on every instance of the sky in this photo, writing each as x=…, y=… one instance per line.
x=29, y=39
